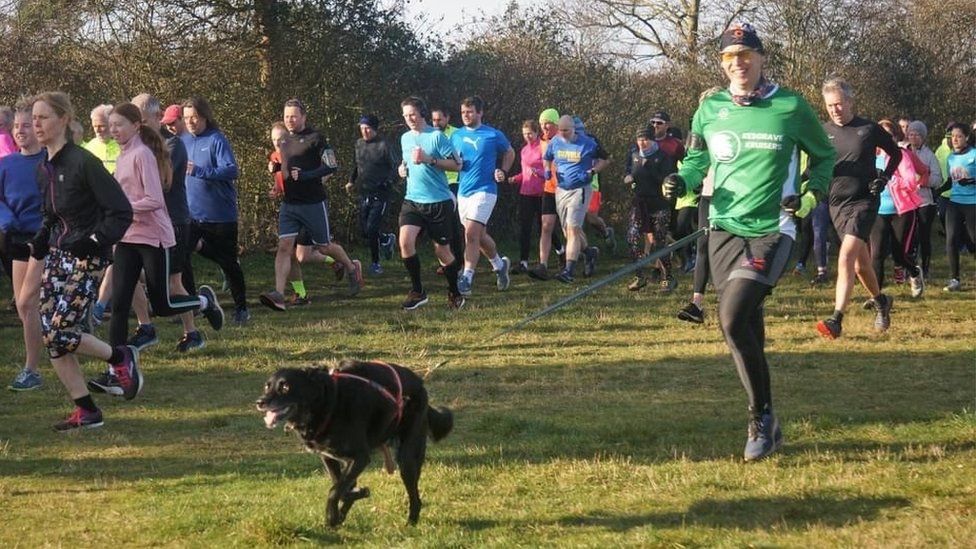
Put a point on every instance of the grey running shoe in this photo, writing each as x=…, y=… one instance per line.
x=882, y=320
x=273, y=300
x=692, y=313
x=463, y=285
x=26, y=380
x=953, y=286
x=213, y=313
x=764, y=438
x=502, y=275
x=190, y=342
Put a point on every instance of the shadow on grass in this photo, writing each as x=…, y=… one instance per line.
x=648, y=411
x=752, y=513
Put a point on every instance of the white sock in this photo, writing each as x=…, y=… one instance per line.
x=497, y=263
x=204, y=303
x=468, y=274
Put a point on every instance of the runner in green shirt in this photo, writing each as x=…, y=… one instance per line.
x=750, y=135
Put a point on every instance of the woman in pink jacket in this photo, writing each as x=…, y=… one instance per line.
x=146, y=244
x=531, y=181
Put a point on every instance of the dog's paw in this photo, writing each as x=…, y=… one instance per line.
x=356, y=494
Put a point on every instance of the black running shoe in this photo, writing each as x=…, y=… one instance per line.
x=692, y=313
x=144, y=337
x=80, y=419
x=213, y=313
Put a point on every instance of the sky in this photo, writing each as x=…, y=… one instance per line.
x=446, y=15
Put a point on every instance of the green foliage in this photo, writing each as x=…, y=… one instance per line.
x=346, y=57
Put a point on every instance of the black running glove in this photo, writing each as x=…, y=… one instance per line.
x=673, y=186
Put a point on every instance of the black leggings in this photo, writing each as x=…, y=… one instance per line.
x=684, y=225
x=740, y=312
x=220, y=246
x=926, y=218
x=130, y=260
x=700, y=278
x=958, y=215
x=529, y=216
x=895, y=235
x=371, y=212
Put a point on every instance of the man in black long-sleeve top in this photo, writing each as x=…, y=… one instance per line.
x=306, y=158
x=374, y=172
x=853, y=200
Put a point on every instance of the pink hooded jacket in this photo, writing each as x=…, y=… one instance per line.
x=138, y=174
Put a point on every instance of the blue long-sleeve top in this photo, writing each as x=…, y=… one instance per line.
x=211, y=190
x=21, y=198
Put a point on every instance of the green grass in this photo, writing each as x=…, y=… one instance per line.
x=609, y=423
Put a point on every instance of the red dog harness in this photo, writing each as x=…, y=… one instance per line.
x=396, y=400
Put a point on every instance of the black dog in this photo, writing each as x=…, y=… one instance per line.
x=344, y=414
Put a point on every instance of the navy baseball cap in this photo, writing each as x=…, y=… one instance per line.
x=741, y=34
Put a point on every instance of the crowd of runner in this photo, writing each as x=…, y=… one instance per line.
x=110, y=226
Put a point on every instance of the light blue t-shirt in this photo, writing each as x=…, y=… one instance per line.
x=886, y=205
x=479, y=149
x=962, y=166
x=572, y=160
x=426, y=184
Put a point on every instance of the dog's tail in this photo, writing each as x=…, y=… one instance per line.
x=440, y=421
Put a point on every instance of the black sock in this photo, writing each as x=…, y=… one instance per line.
x=86, y=403
x=412, y=264
x=451, y=274
x=570, y=266
x=117, y=355
x=838, y=316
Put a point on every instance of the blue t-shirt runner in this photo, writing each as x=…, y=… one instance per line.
x=480, y=149
x=426, y=184
x=572, y=161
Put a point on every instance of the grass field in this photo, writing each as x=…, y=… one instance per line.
x=610, y=423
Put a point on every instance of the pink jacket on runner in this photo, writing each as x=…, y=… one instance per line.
x=138, y=174
x=905, y=182
x=532, y=178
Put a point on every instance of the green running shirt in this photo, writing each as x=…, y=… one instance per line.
x=755, y=153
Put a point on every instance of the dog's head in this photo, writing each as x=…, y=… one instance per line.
x=291, y=394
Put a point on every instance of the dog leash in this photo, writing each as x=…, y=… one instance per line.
x=644, y=261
